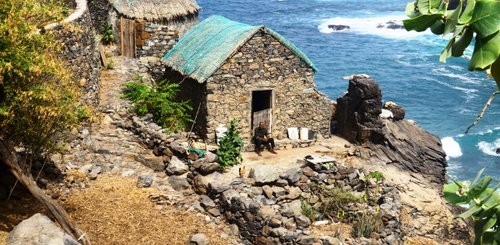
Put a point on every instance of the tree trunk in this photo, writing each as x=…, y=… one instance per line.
x=8, y=157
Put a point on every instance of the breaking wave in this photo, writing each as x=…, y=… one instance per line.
x=370, y=26
x=489, y=148
x=451, y=147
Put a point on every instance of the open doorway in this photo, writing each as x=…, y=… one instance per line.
x=262, y=108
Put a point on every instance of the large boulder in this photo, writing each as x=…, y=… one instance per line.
x=396, y=141
x=39, y=230
x=358, y=111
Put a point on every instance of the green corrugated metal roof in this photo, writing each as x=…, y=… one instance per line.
x=210, y=43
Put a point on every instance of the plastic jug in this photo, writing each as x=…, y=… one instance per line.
x=220, y=132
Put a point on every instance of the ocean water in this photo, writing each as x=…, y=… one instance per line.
x=442, y=98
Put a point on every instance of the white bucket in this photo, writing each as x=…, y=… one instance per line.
x=293, y=133
x=304, y=134
x=220, y=132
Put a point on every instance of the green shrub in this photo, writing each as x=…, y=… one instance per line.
x=230, y=145
x=333, y=202
x=161, y=102
x=367, y=223
x=107, y=34
x=484, y=206
x=308, y=210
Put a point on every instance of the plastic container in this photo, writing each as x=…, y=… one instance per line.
x=293, y=133
x=220, y=132
x=304, y=134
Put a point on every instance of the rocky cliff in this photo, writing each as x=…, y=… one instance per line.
x=389, y=141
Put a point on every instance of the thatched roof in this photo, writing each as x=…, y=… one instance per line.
x=156, y=10
x=210, y=43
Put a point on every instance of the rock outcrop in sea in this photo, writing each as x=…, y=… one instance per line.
x=391, y=141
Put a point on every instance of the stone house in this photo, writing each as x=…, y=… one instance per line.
x=250, y=73
x=145, y=27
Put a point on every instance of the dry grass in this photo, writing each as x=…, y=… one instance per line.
x=419, y=241
x=114, y=211
x=339, y=230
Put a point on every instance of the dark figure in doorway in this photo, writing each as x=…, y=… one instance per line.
x=262, y=137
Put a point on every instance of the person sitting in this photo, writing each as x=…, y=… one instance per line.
x=262, y=137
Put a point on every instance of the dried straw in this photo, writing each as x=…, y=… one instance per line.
x=156, y=10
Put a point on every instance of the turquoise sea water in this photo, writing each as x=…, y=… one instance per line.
x=442, y=98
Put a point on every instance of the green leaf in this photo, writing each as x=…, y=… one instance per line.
x=429, y=6
x=421, y=23
x=459, y=47
x=495, y=72
x=446, y=52
x=478, y=187
x=411, y=11
x=466, y=16
x=486, y=51
x=486, y=17
x=438, y=27
x=473, y=209
x=452, y=19
x=452, y=194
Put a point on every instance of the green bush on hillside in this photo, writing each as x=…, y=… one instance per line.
x=160, y=101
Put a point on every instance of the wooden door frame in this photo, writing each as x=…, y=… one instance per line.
x=272, y=108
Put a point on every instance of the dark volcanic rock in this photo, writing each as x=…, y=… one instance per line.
x=412, y=148
x=391, y=25
x=398, y=111
x=397, y=142
x=358, y=111
x=338, y=27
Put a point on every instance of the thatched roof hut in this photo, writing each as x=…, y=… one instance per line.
x=156, y=10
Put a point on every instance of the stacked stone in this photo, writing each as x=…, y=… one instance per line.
x=154, y=39
x=81, y=55
x=100, y=13
x=263, y=63
x=267, y=209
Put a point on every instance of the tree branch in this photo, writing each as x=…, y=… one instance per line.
x=8, y=157
x=481, y=114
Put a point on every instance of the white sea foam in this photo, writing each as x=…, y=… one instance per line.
x=453, y=74
x=370, y=26
x=451, y=147
x=489, y=148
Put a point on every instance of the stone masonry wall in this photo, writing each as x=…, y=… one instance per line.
x=263, y=63
x=99, y=10
x=81, y=54
x=154, y=39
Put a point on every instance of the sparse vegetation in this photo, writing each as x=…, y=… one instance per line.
x=366, y=223
x=484, y=206
x=107, y=35
x=110, y=64
x=160, y=101
x=230, y=145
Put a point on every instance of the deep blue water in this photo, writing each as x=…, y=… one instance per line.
x=442, y=98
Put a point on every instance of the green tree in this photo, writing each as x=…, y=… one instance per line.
x=477, y=20
x=38, y=99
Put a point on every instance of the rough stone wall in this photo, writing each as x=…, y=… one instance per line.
x=81, y=54
x=154, y=39
x=263, y=63
x=99, y=10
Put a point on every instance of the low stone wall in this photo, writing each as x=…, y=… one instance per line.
x=80, y=51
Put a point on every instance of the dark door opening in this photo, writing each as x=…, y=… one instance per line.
x=261, y=108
